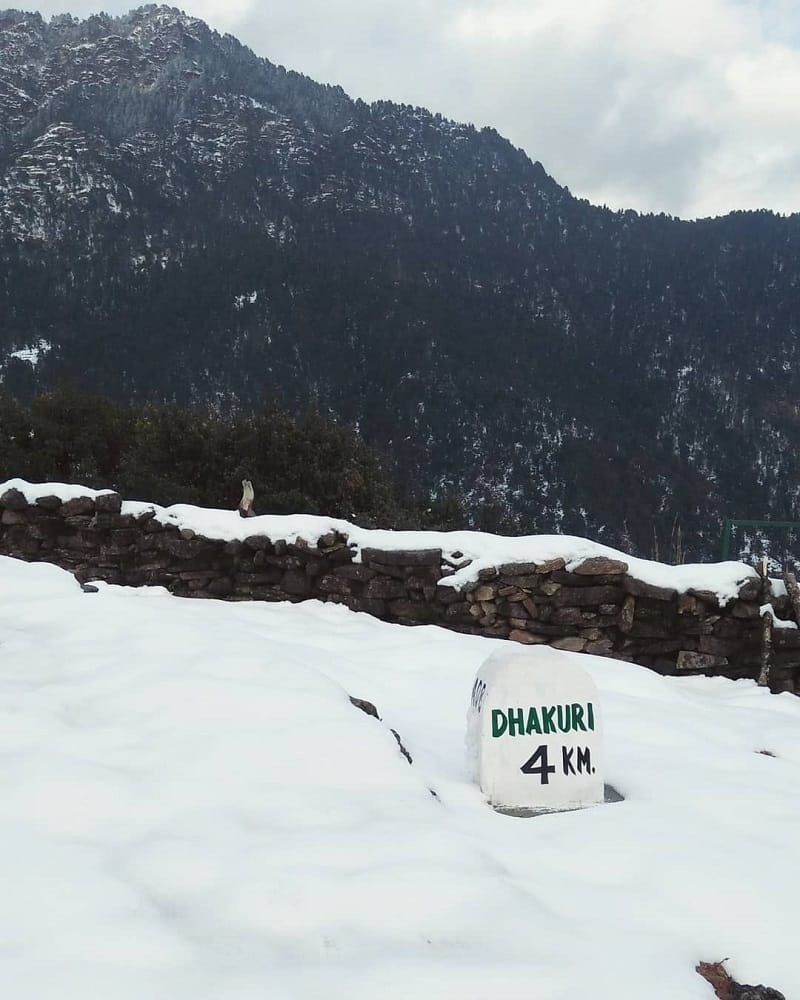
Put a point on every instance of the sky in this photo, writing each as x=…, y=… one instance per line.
x=689, y=107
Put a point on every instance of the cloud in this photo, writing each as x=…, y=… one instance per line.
x=683, y=106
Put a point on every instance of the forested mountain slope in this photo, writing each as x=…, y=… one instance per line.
x=182, y=220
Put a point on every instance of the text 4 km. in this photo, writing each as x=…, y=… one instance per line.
x=574, y=760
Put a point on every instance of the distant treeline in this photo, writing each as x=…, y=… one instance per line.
x=166, y=454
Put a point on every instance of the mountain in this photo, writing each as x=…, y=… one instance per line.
x=182, y=220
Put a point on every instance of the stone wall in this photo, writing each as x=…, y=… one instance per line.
x=595, y=606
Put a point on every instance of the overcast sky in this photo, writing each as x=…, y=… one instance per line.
x=690, y=107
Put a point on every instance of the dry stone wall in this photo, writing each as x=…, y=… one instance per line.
x=595, y=607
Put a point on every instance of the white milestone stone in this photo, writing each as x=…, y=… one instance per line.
x=534, y=732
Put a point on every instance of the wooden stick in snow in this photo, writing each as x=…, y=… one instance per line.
x=246, y=503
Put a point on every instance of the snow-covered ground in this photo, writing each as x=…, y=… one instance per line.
x=191, y=809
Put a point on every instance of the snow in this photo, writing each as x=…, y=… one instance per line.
x=239, y=301
x=32, y=354
x=768, y=609
x=64, y=491
x=191, y=809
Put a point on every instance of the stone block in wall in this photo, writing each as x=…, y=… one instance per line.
x=567, y=579
x=511, y=609
x=285, y=561
x=258, y=543
x=550, y=566
x=557, y=631
x=582, y=596
x=661, y=648
x=124, y=536
x=109, y=551
x=626, y=614
x=420, y=578
x=267, y=576
x=182, y=548
x=571, y=643
x=221, y=586
x=14, y=500
x=485, y=592
x=458, y=610
x=495, y=631
x=707, y=597
x=691, y=660
x=370, y=606
x=419, y=612
x=650, y=630
x=518, y=569
x=108, y=503
x=402, y=557
x=745, y=609
x=46, y=526
x=640, y=589
x=528, y=638
x=449, y=595
x=385, y=588
x=78, y=506
x=49, y=502
x=354, y=571
x=601, y=566
x=567, y=616
x=10, y=517
x=330, y=540
x=396, y=572
x=550, y=587
x=600, y=647
x=332, y=584
x=19, y=543
x=79, y=522
x=147, y=544
x=295, y=583
x=752, y=590
x=107, y=522
x=79, y=541
x=788, y=638
x=526, y=582
x=698, y=626
x=149, y=525
x=341, y=555
x=314, y=567
x=717, y=647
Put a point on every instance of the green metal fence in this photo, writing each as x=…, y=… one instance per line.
x=730, y=523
